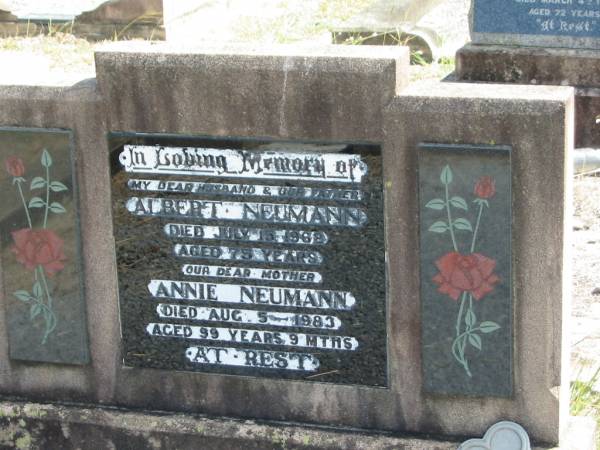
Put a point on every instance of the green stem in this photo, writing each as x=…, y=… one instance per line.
x=468, y=328
x=450, y=225
x=50, y=318
x=458, y=347
x=47, y=196
x=460, y=312
x=24, y=203
x=476, y=227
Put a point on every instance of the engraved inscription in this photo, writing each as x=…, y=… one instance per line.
x=252, y=262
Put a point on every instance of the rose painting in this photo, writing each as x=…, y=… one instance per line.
x=466, y=301
x=37, y=248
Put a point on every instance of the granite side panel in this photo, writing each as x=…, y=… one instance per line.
x=538, y=130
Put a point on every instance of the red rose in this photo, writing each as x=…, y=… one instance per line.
x=472, y=273
x=485, y=187
x=39, y=248
x=14, y=166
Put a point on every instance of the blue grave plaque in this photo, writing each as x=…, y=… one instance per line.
x=551, y=23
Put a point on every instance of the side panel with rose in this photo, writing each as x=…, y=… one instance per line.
x=465, y=269
x=44, y=311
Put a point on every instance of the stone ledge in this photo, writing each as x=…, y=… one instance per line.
x=528, y=65
x=50, y=426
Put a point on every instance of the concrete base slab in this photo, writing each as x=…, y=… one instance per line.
x=48, y=426
x=528, y=65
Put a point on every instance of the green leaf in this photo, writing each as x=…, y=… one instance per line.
x=22, y=295
x=470, y=318
x=57, y=208
x=436, y=203
x=37, y=183
x=37, y=289
x=488, y=327
x=462, y=224
x=439, y=227
x=46, y=158
x=446, y=176
x=459, y=202
x=35, y=309
x=57, y=186
x=36, y=202
x=475, y=341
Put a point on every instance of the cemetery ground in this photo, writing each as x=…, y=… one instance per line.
x=61, y=59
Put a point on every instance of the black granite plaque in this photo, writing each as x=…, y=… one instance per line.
x=251, y=258
x=41, y=266
x=465, y=232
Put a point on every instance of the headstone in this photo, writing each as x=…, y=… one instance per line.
x=253, y=259
x=41, y=266
x=566, y=24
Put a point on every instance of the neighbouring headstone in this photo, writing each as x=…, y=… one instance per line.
x=539, y=42
x=90, y=19
x=42, y=271
x=566, y=24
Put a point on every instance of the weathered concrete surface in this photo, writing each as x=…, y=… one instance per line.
x=41, y=426
x=560, y=67
x=527, y=65
x=331, y=92
x=124, y=11
x=536, y=121
x=6, y=16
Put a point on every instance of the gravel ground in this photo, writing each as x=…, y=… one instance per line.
x=585, y=326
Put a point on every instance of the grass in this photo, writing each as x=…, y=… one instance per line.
x=585, y=401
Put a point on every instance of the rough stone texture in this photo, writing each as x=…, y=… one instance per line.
x=561, y=67
x=38, y=426
x=537, y=123
x=6, y=16
x=330, y=93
